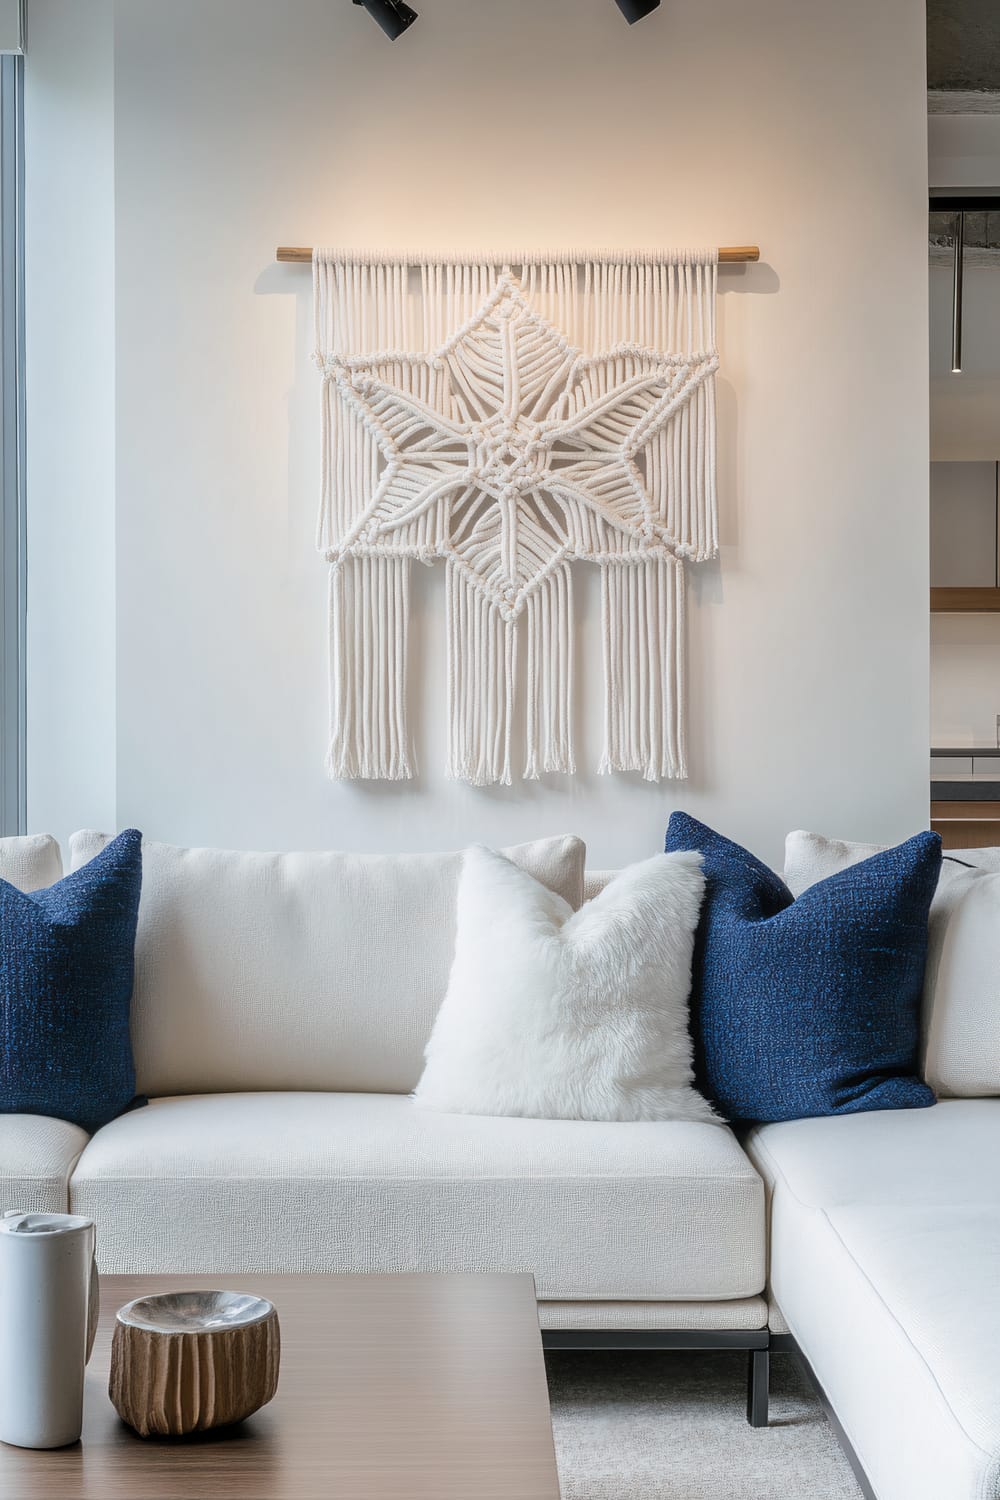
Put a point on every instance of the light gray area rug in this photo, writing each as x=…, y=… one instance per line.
x=672, y=1427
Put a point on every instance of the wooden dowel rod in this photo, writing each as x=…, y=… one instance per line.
x=728, y=255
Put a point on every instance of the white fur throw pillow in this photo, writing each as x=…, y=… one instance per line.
x=563, y=1015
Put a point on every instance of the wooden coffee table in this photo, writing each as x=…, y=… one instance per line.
x=395, y=1387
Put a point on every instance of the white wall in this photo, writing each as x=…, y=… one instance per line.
x=241, y=124
x=70, y=459
x=963, y=150
x=965, y=679
x=965, y=408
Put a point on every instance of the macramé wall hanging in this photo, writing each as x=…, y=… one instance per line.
x=511, y=417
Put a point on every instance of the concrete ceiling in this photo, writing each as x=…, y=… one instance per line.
x=963, y=44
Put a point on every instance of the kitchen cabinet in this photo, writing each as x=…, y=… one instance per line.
x=966, y=825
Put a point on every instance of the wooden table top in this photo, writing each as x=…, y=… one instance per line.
x=395, y=1387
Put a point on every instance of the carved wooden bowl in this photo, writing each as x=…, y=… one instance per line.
x=189, y=1361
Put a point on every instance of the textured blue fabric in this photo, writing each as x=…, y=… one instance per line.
x=809, y=1007
x=66, y=962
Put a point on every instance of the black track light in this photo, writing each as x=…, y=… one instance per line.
x=393, y=16
x=634, y=10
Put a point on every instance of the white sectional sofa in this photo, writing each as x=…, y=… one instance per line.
x=280, y=1012
x=281, y=1008
x=885, y=1263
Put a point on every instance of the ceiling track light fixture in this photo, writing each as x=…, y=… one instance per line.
x=635, y=10
x=395, y=17
x=392, y=15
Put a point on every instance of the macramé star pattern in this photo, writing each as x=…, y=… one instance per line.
x=509, y=452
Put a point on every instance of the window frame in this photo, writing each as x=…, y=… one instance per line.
x=13, y=551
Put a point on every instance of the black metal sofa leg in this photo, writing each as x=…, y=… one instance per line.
x=758, y=1342
x=758, y=1386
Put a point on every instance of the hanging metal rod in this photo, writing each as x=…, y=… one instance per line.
x=958, y=276
x=728, y=255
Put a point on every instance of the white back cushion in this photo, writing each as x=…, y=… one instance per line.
x=961, y=1010
x=297, y=971
x=594, y=882
x=31, y=862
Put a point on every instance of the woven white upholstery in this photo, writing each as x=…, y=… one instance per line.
x=31, y=862
x=740, y=1314
x=594, y=882
x=37, y=1156
x=298, y=971
x=363, y=1182
x=885, y=1260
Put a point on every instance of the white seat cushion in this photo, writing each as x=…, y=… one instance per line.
x=367, y=1182
x=298, y=971
x=37, y=1156
x=885, y=1261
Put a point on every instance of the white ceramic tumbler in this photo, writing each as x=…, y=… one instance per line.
x=48, y=1317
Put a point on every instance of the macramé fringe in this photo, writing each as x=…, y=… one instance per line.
x=369, y=615
x=510, y=415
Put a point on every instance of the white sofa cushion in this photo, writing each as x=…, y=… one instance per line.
x=31, y=861
x=885, y=1261
x=37, y=1156
x=810, y=857
x=594, y=882
x=559, y=1014
x=936, y=1157
x=297, y=971
x=961, y=1006
x=362, y=1182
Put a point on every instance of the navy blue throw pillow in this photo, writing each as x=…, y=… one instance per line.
x=66, y=961
x=809, y=1007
